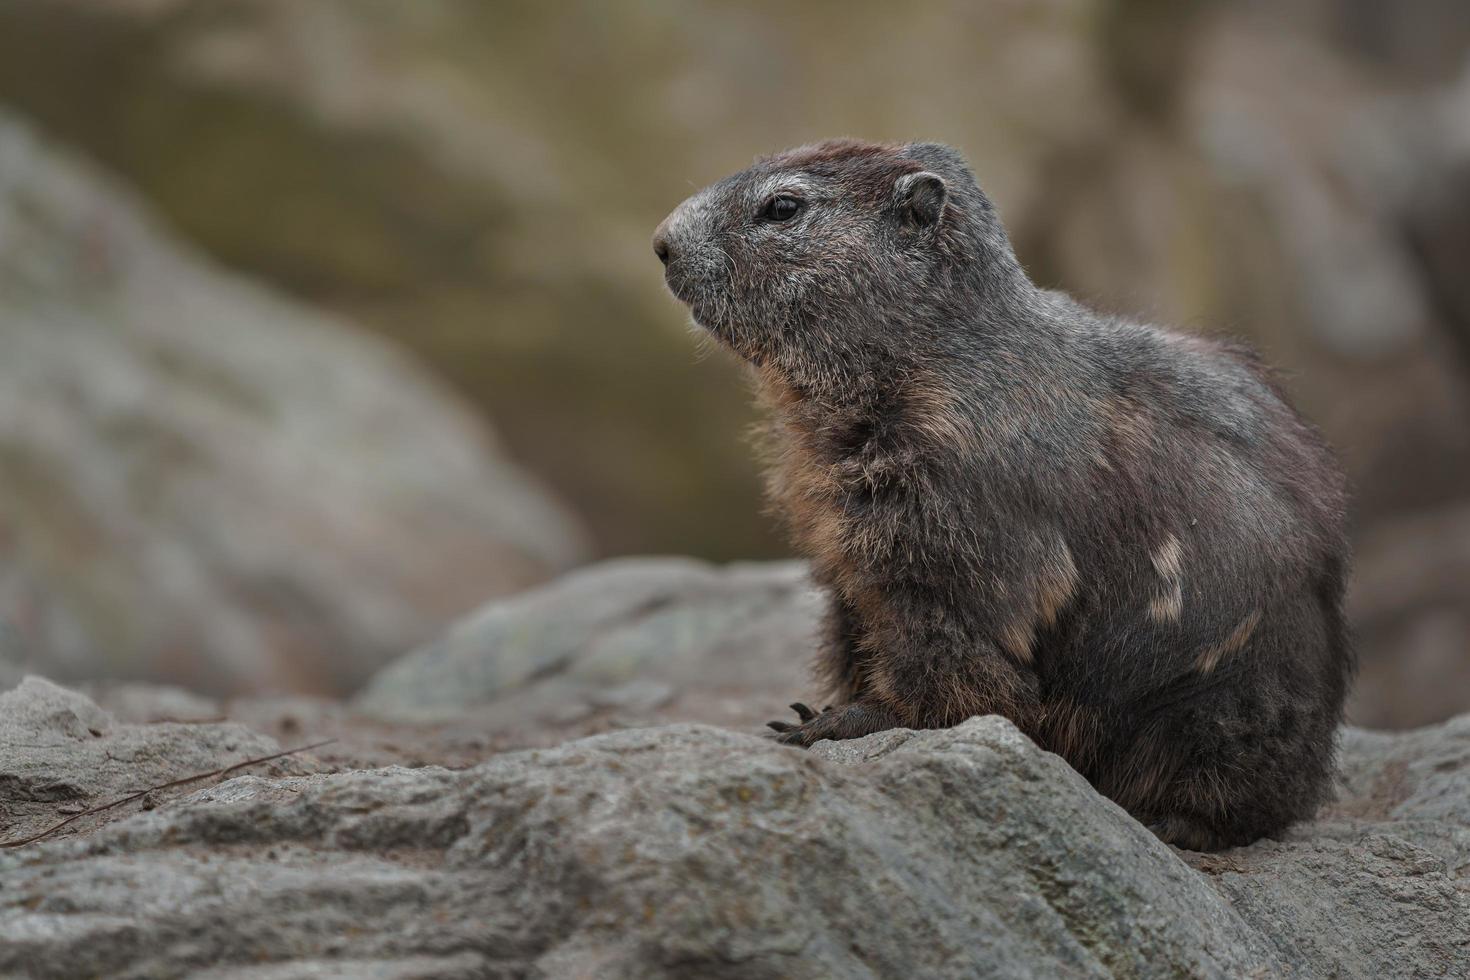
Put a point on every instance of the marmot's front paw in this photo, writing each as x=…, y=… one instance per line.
x=789, y=734
x=852, y=720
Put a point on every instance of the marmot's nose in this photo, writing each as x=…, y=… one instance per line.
x=661, y=242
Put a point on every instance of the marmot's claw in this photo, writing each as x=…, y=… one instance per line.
x=803, y=734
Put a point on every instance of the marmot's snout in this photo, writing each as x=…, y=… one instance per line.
x=661, y=242
x=673, y=237
x=691, y=266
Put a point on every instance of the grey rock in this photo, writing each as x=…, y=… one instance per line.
x=1250, y=172
x=205, y=482
x=691, y=851
x=61, y=753
x=1379, y=885
x=672, y=852
x=462, y=966
x=653, y=638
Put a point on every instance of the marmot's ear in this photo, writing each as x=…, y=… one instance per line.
x=921, y=198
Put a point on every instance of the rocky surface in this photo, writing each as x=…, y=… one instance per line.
x=619, y=644
x=636, y=639
x=1379, y=885
x=203, y=481
x=60, y=753
x=689, y=850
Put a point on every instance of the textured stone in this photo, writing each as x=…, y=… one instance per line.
x=663, y=852
x=1379, y=885
x=649, y=639
x=60, y=753
x=690, y=851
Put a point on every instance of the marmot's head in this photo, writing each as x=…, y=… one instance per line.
x=831, y=262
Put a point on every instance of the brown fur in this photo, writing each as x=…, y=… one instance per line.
x=1234, y=643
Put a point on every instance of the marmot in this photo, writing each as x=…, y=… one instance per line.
x=1121, y=538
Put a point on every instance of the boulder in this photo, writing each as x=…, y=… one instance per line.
x=687, y=850
x=636, y=641
x=204, y=482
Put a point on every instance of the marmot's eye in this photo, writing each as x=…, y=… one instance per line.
x=782, y=207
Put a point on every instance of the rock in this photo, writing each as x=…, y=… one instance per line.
x=684, y=851
x=688, y=850
x=650, y=639
x=1379, y=885
x=204, y=482
x=60, y=752
x=691, y=851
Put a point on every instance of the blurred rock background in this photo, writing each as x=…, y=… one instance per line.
x=475, y=184
x=204, y=481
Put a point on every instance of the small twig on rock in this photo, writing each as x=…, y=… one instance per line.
x=131, y=797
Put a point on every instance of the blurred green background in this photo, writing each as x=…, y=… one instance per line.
x=477, y=182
